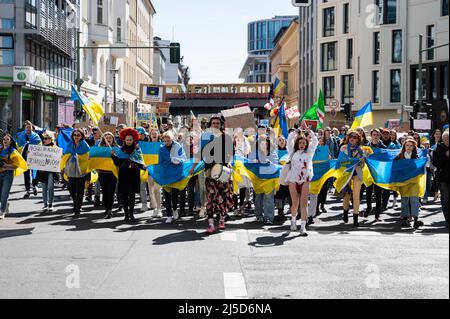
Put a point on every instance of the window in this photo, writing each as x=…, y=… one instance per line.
x=329, y=88
x=100, y=11
x=329, y=57
x=376, y=86
x=376, y=48
x=396, y=95
x=397, y=45
x=348, y=89
x=328, y=22
x=346, y=18
x=350, y=54
x=430, y=41
x=119, y=30
x=31, y=13
x=444, y=9
x=6, y=50
x=387, y=11
x=7, y=24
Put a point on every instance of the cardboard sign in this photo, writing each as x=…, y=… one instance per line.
x=241, y=117
x=108, y=128
x=82, y=125
x=114, y=119
x=43, y=158
x=312, y=124
x=293, y=113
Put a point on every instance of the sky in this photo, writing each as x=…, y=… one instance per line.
x=213, y=33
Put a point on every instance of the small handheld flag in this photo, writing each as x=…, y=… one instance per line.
x=364, y=117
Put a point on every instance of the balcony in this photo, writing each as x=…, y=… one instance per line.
x=101, y=34
x=120, y=53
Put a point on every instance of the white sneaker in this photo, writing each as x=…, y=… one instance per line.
x=175, y=215
x=2, y=215
x=169, y=220
x=144, y=209
x=155, y=213
x=45, y=209
x=202, y=213
x=294, y=226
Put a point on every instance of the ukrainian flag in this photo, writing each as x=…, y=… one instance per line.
x=281, y=125
x=364, y=117
x=150, y=150
x=265, y=177
x=13, y=156
x=100, y=159
x=174, y=178
x=344, y=171
x=278, y=86
x=323, y=171
x=406, y=177
x=90, y=106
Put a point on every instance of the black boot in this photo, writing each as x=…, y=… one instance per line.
x=310, y=221
x=345, y=216
x=127, y=216
x=323, y=209
x=131, y=216
x=355, y=220
x=417, y=223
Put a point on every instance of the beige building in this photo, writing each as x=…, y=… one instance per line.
x=118, y=23
x=284, y=60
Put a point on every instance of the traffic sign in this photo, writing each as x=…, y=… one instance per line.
x=334, y=104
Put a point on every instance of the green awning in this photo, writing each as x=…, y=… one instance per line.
x=5, y=93
x=27, y=95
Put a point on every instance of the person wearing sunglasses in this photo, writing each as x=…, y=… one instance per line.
x=351, y=148
x=75, y=164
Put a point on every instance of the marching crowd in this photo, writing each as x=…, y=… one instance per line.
x=210, y=193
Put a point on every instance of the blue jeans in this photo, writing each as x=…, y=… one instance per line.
x=410, y=206
x=265, y=206
x=48, y=191
x=6, y=181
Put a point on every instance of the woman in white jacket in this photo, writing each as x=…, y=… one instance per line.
x=301, y=153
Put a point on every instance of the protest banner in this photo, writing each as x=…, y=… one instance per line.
x=241, y=117
x=43, y=158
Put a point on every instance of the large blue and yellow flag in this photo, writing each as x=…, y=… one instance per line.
x=100, y=159
x=64, y=138
x=176, y=176
x=150, y=150
x=345, y=171
x=90, y=106
x=406, y=177
x=364, y=117
x=323, y=171
x=265, y=177
x=79, y=155
x=22, y=140
x=278, y=86
x=12, y=156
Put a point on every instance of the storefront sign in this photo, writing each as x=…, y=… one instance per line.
x=44, y=158
x=152, y=93
x=23, y=74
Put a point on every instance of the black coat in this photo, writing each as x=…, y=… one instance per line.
x=440, y=160
x=129, y=174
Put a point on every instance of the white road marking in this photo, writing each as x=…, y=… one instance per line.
x=234, y=284
x=228, y=236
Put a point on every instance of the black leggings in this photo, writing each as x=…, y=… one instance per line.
x=171, y=201
x=108, y=182
x=76, y=190
x=129, y=200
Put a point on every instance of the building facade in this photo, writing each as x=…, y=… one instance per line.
x=261, y=34
x=118, y=23
x=37, y=65
x=308, y=53
x=366, y=50
x=284, y=62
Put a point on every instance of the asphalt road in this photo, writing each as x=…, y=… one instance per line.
x=53, y=255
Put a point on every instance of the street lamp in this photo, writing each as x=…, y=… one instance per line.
x=114, y=72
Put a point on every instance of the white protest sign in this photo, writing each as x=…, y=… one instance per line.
x=43, y=158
